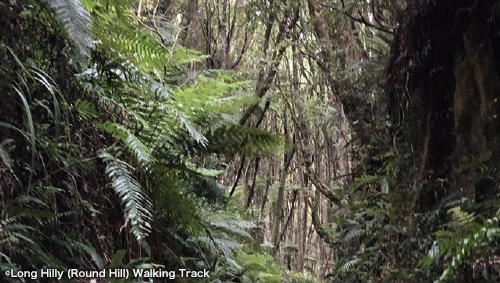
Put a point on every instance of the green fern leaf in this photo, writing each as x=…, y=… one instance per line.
x=353, y=234
x=346, y=267
x=243, y=140
x=76, y=19
x=137, y=205
x=133, y=143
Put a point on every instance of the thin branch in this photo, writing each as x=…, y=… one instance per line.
x=363, y=20
x=264, y=80
x=238, y=176
x=322, y=233
x=251, y=192
x=288, y=220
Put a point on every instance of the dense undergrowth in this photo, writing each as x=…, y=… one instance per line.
x=110, y=145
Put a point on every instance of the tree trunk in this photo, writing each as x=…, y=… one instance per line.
x=442, y=87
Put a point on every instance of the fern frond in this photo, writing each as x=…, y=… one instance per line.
x=346, y=267
x=258, y=267
x=188, y=125
x=363, y=181
x=137, y=206
x=174, y=204
x=76, y=20
x=234, y=227
x=353, y=234
x=236, y=139
x=486, y=234
x=133, y=143
x=220, y=246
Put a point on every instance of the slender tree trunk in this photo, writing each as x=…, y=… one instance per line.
x=278, y=204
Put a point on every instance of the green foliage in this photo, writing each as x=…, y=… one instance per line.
x=245, y=141
x=365, y=229
x=76, y=21
x=131, y=118
x=296, y=277
x=363, y=181
x=30, y=229
x=465, y=239
x=137, y=205
x=258, y=268
x=117, y=262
